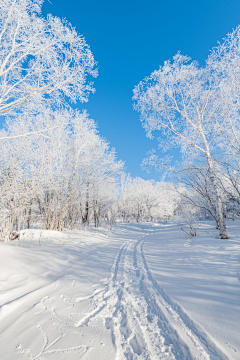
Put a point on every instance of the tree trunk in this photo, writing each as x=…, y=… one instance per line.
x=29, y=215
x=86, y=216
x=215, y=190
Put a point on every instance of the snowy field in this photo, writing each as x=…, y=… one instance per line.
x=145, y=292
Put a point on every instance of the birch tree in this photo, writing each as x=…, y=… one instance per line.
x=179, y=100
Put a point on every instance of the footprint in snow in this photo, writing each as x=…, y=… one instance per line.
x=67, y=301
x=44, y=304
x=24, y=311
x=231, y=347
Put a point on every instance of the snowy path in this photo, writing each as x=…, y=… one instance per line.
x=128, y=316
x=144, y=322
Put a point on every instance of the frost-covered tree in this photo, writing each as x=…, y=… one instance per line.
x=224, y=62
x=57, y=179
x=199, y=195
x=179, y=100
x=224, y=65
x=40, y=57
x=146, y=200
x=98, y=166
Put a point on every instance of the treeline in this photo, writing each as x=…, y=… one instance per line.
x=147, y=200
x=56, y=179
x=68, y=177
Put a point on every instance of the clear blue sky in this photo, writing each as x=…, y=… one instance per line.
x=129, y=39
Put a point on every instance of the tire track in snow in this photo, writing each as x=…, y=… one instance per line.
x=153, y=336
x=116, y=263
x=126, y=314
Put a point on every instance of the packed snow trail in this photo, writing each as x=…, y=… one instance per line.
x=145, y=323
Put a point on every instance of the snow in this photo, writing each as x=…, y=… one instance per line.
x=143, y=291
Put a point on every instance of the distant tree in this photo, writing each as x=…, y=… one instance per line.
x=146, y=200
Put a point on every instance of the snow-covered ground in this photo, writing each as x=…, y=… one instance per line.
x=146, y=292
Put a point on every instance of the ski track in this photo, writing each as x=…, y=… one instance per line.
x=144, y=321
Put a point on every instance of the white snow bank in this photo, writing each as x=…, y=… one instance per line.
x=46, y=270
